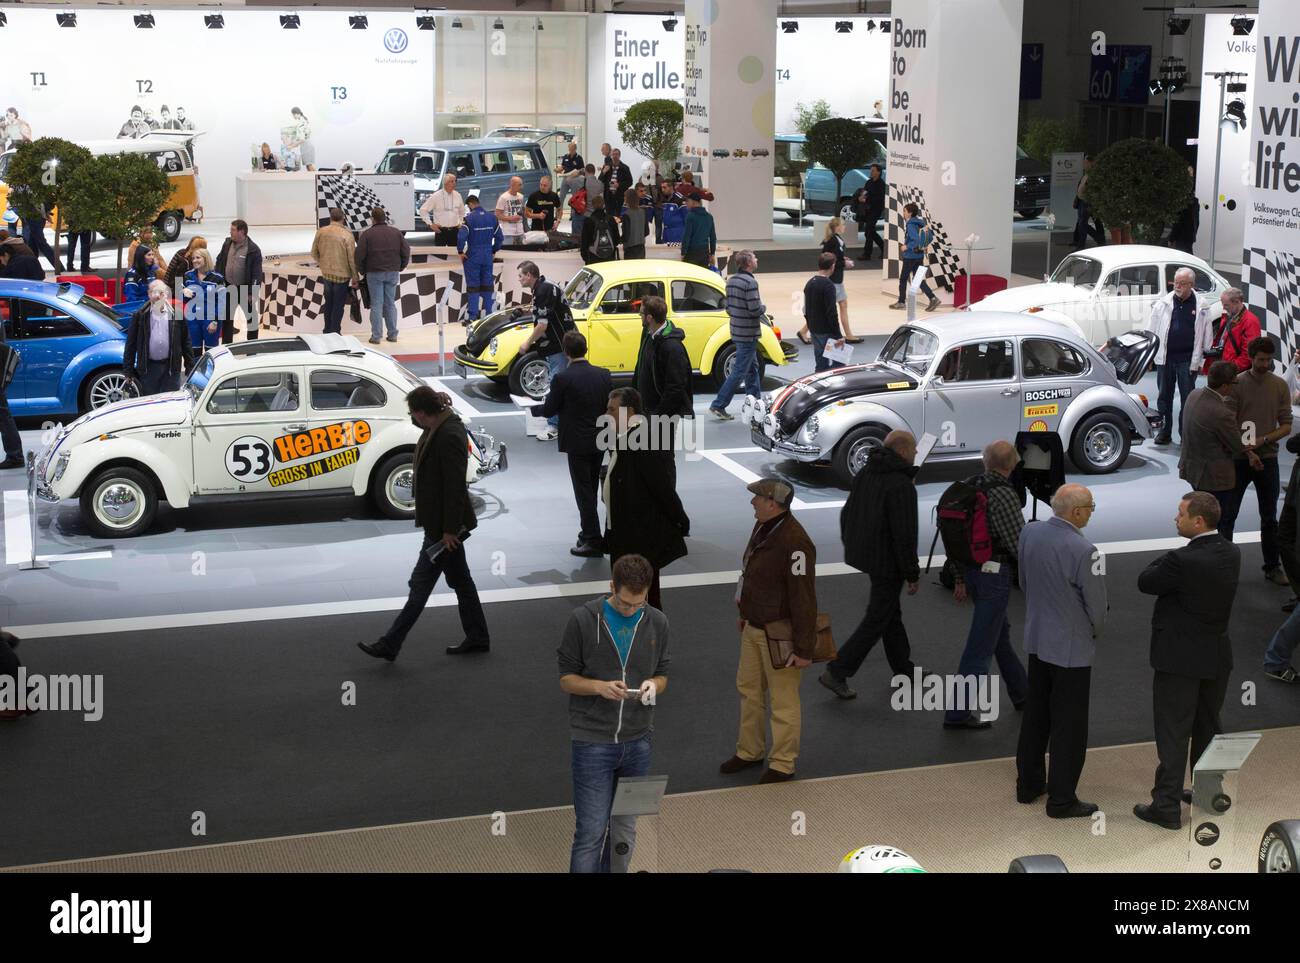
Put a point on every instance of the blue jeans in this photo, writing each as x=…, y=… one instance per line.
x=1268, y=487
x=576, y=222
x=602, y=843
x=557, y=363
x=1173, y=374
x=990, y=636
x=819, y=347
x=336, y=300
x=1280, y=649
x=744, y=368
x=383, y=302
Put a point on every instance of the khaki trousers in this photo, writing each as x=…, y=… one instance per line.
x=759, y=684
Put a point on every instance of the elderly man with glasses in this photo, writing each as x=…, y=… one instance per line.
x=1063, y=577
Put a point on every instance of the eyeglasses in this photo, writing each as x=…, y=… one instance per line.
x=625, y=606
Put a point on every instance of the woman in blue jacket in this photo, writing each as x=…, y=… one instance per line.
x=205, y=301
x=135, y=285
x=915, y=241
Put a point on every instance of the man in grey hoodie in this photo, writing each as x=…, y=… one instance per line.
x=613, y=662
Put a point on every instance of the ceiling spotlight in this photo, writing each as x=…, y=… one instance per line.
x=884, y=26
x=540, y=25
x=1237, y=88
x=1235, y=114
x=4, y=18
x=871, y=26
x=290, y=21
x=670, y=24
x=498, y=24
x=359, y=23
x=843, y=26
x=425, y=23
x=144, y=21
x=789, y=26
x=456, y=24
x=1178, y=25
x=1242, y=26
x=66, y=19
x=214, y=21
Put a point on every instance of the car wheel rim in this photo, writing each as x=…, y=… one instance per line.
x=535, y=378
x=846, y=213
x=728, y=364
x=110, y=388
x=171, y=226
x=1102, y=445
x=119, y=504
x=1277, y=860
x=400, y=488
x=859, y=453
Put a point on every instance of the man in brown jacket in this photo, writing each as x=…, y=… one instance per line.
x=777, y=582
x=335, y=254
x=1212, y=439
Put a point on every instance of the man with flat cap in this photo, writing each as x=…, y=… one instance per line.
x=777, y=595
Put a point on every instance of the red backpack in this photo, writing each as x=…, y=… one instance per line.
x=963, y=523
x=579, y=201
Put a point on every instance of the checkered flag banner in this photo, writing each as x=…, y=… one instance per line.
x=349, y=195
x=941, y=262
x=1271, y=282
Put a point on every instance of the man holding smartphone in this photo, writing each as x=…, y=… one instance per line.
x=443, y=510
x=613, y=661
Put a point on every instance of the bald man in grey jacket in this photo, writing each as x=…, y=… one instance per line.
x=1063, y=577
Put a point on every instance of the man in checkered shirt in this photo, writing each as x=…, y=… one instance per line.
x=989, y=587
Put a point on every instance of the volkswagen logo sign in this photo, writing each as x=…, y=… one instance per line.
x=1207, y=834
x=395, y=40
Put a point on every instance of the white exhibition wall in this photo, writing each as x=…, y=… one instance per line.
x=850, y=71
x=1224, y=52
x=359, y=90
x=642, y=62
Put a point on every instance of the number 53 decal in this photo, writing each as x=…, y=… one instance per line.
x=248, y=459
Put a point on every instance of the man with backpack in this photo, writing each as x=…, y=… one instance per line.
x=878, y=526
x=918, y=237
x=553, y=321
x=980, y=520
x=599, y=233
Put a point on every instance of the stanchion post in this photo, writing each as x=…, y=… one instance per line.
x=33, y=562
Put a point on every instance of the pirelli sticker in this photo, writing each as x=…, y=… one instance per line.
x=896, y=385
x=1047, y=394
x=1042, y=411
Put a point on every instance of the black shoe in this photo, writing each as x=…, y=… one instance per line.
x=1162, y=439
x=1286, y=674
x=1187, y=796
x=775, y=775
x=1145, y=813
x=466, y=647
x=736, y=764
x=1290, y=606
x=970, y=722
x=1020, y=706
x=378, y=649
x=587, y=549
x=836, y=685
x=1075, y=810
x=1030, y=796
x=11, y=463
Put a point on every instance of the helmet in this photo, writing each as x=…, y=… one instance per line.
x=879, y=859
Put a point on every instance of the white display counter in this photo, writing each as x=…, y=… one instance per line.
x=276, y=198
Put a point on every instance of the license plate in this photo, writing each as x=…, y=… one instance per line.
x=461, y=370
x=761, y=439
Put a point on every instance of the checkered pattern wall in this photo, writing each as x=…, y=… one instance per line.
x=349, y=195
x=1271, y=281
x=941, y=261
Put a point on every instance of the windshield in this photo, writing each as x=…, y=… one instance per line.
x=910, y=348
x=1077, y=269
x=582, y=290
x=198, y=379
x=410, y=161
x=101, y=309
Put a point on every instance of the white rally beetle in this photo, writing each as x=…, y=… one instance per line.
x=279, y=418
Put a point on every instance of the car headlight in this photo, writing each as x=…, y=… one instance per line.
x=811, y=427
x=60, y=466
x=492, y=347
x=1022, y=180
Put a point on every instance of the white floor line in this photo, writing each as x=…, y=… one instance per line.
x=462, y=404
x=719, y=457
x=523, y=593
x=18, y=535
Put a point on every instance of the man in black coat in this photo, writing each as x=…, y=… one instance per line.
x=617, y=180
x=1190, y=650
x=663, y=369
x=17, y=261
x=643, y=515
x=443, y=510
x=878, y=528
x=579, y=395
x=873, y=207
x=240, y=263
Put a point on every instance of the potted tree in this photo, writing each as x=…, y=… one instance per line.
x=653, y=128
x=39, y=175
x=120, y=194
x=1137, y=186
x=840, y=145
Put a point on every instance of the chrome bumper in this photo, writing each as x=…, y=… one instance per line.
x=789, y=449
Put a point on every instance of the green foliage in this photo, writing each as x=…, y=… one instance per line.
x=807, y=116
x=117, y=195
x=39, y=174
x=653, y=128
x=1043, y=136
x=1139, y=183
x=840, y=145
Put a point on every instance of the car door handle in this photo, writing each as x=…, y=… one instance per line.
x=1008, y=392
x=295, y=427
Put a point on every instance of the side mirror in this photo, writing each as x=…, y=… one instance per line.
x=936, y=381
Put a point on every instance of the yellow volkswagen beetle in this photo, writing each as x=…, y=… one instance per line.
x=606, y=300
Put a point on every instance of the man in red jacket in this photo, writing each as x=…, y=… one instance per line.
x=1236, y=329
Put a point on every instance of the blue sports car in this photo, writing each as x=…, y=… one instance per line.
x=70, y=346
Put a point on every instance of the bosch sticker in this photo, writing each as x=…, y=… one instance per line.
x=1047, y=394
x=318, y=441
x=1041, y=411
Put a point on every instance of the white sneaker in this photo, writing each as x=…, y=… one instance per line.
x=547, y=434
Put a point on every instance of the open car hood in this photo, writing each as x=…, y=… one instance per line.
x=808, y=394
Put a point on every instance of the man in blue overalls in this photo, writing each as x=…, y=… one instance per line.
x=479, y=238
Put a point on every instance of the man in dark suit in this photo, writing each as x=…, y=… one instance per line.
x=643, y=515
x=579, y=396
x=1212, y=438
x=1190, y=650
x=443, y=510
